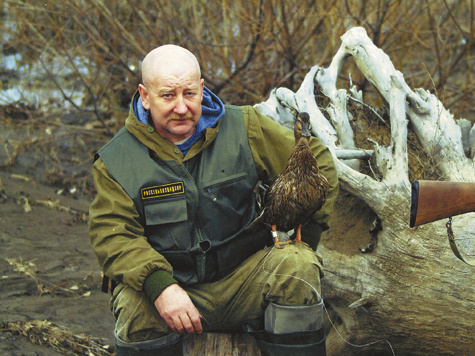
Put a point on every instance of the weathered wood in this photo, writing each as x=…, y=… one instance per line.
x=410, y=291
x=353, y=154
x=221, y=344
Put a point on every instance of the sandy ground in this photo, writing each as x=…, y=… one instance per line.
x=60, y=281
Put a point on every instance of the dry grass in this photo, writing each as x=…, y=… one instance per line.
x=57, y=337
x=28, y=268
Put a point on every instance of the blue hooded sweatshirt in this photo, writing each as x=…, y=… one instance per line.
x=212, y=111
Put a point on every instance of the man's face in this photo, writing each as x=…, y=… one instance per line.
x=174, y=100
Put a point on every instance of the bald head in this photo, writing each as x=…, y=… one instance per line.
x=166, y=59
x=172, y=91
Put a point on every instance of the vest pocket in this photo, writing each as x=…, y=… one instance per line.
x=165, y=211
x=166, y=225
x=225, y=181
x=226, y=206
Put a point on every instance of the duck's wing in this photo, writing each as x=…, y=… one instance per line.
x=318, y=200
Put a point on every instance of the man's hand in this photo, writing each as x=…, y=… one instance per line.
x=177, y=309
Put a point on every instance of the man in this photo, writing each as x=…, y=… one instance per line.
x=175, y=192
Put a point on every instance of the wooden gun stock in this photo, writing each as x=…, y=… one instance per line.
x=435, y=200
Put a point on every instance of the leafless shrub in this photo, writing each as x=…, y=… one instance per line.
x=245, y=47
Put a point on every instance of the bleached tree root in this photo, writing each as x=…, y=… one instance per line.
x=410, y=290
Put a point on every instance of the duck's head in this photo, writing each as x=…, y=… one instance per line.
x=302, y=127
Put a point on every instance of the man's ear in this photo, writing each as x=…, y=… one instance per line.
x=144, y=96
x=202, y=84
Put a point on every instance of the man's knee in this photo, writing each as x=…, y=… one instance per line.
x=293, y=275
x=298, y=259
x=137, y=319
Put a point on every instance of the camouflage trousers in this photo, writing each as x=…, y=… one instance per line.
x=287, y=276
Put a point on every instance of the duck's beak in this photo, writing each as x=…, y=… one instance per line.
x=306, y=131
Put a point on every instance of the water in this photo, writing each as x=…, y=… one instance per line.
x=41, y=83
x=37, y=84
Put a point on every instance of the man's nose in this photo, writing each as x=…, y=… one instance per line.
x=180, y=107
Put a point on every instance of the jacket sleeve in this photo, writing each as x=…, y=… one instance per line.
x=118, y=240
x=271, y=144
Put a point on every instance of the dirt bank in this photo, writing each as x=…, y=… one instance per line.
x=48, y=270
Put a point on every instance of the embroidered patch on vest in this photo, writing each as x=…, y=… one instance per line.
x=162, y=190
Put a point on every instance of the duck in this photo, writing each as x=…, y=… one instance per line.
x=298, y=192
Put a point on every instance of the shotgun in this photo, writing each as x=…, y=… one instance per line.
x=432, y=200
x=435, y=200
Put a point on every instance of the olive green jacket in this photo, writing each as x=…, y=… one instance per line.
x=116, y=233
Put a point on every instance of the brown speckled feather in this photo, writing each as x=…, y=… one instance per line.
x=298, y=192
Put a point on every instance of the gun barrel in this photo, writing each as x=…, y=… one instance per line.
x=435, y=200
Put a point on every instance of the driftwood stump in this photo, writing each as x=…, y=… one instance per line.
x=220, y=344
x=408, y=289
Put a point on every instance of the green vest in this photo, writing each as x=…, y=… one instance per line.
x=194, y=213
